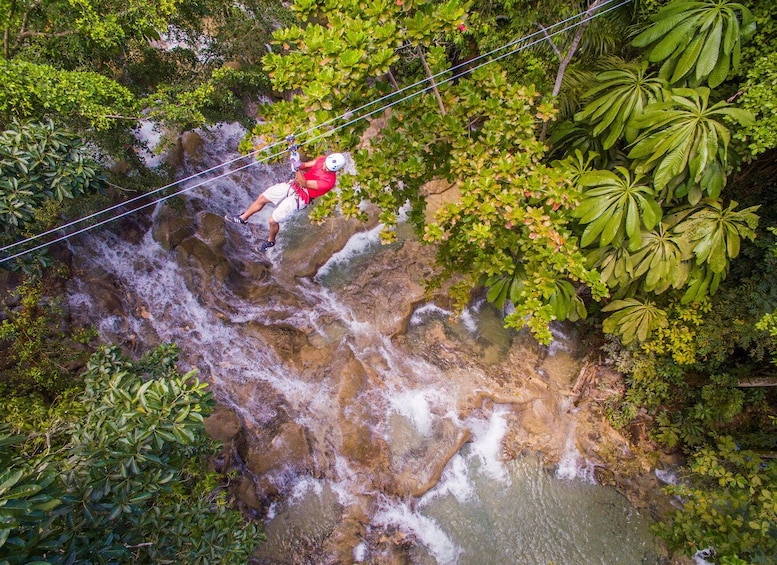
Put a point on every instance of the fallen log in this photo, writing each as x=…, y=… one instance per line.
x=757, y=382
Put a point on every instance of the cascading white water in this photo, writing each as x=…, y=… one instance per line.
x=483, y=510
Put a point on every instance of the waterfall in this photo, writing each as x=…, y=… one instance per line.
x=572, y=465
x=388, y=416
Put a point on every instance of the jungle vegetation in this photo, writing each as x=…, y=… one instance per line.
x=617, y=173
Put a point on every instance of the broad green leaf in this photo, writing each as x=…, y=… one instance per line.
x=673, y=41
x=708, y=58
x=679, y=28
x=689, y=59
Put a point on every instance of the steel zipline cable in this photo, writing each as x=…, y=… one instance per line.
x=133, y=199
x=522, y=42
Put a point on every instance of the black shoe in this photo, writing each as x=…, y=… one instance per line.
x=235, y=220
x=265, y=246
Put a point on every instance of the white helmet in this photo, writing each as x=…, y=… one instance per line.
x=335, y=162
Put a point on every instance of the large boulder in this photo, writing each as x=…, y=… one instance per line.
x=106, y=293
x=171, y=227
x=223, y=424
x=359, y=443
x=310, y=246
x=273, y=456
x=208, y=261
x=387, y=291
x=188, y=148
x=437, y=194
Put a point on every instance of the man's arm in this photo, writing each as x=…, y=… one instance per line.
x=299, y=178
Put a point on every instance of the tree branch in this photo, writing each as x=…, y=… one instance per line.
x=25, y=34
x=575, y=44
x=393, y=80
x=757, y=382
x=120, y=117
x=550, y=40
x=431, y=80
x=145, y=544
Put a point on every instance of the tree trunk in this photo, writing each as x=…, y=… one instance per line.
x=757, y=382
x=571, y=50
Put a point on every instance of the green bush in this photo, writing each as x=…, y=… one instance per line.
x=40, y=352
x=129, y=484
x=41, y=167
x=729, y=505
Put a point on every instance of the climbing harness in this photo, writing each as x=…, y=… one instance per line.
x=296, y=162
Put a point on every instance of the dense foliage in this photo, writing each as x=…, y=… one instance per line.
x=731, y=507
x=99, y=69
x=122, y=479
x=42, y=169
x=40, y=351
x=103, y=63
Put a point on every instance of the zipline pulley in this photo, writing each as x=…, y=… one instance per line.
x=294, y=157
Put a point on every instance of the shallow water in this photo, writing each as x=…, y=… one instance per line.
x=536, y=518
x=484, y=511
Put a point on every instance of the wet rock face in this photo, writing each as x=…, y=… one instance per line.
x=106, y=292
x=223, y=424
x=303, y=256
x=188, y=148
x=206, y=250
x=284, y=447
x=359, y=442
x=385, y=294
x=538, y=388
x=171, y=227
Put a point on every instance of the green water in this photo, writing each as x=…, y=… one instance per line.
x=534, y=518
x=482, y=513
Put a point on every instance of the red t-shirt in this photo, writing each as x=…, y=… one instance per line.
x=324, y=179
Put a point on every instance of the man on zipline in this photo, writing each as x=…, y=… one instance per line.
x=312, y=179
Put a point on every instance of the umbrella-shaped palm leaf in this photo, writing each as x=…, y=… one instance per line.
x=564, y=302
x=684, y=137
x=697, y=40
x=615, y=265
x=615, y=206
x=621, y=94
x=569, y=137
x=702, y=283
x=502, y=288
x=716, y=232
x=633, y=319
x=663, y=259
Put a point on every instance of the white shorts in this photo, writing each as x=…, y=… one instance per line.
x=287, y=201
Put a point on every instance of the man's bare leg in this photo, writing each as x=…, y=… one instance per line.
x=274, y=228
x=257, y=205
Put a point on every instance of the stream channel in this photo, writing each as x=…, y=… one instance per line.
x=374, y=426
